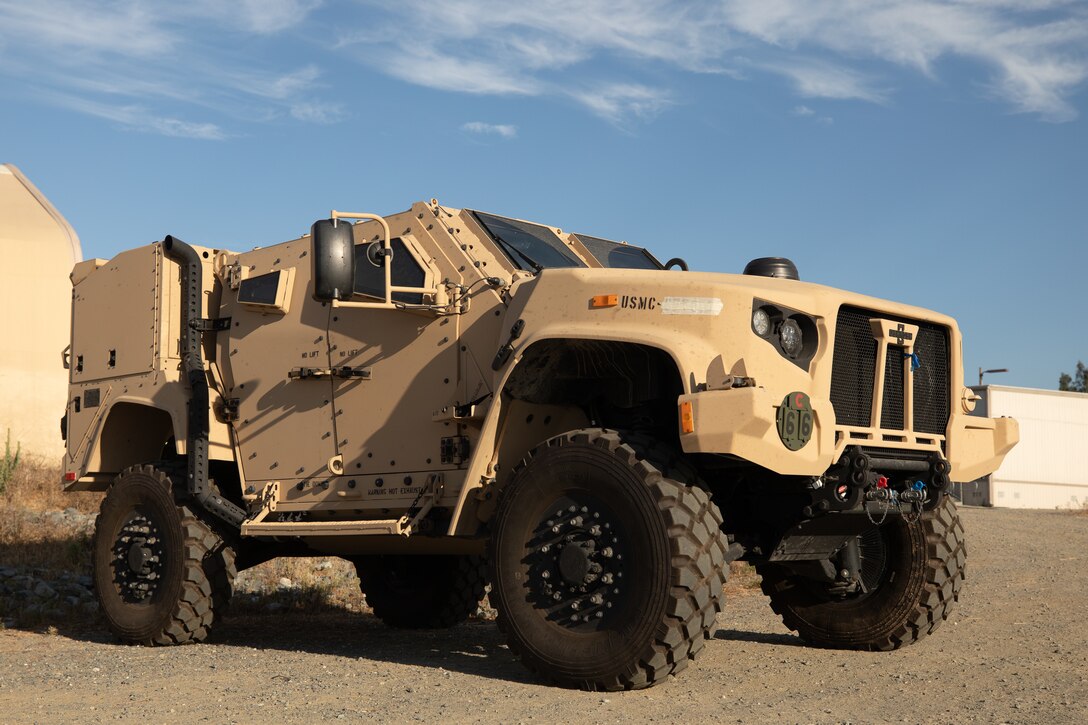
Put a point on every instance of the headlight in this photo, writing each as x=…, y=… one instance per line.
x=790, y=337
x=761, y=322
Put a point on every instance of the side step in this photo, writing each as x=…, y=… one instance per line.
x=257, y=525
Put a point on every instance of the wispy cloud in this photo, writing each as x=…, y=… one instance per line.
x=621, y=103
x=802, y=111
x=223, y=63
x=147, y=65
x=138, y=118
x=1033, y=55
x=504, y=130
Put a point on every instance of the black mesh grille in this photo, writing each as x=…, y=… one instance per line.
x=891, y=407
x=854, y=366
x=932, y=392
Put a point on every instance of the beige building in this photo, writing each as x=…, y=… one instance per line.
x=38, y=247
x=1049, y=467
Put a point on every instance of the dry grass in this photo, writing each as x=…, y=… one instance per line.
x=36, y=486
x=31, y=540
x=316, y=584
x=743, y=580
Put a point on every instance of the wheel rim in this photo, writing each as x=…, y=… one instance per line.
x=576, y=564
x=137, y=558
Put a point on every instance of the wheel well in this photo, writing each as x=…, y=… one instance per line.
x=132, y=434
x=616, y=384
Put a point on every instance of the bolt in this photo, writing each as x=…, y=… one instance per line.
x=544, y=549
x=572, y=509
x=574, y=617
x=574, y=606
x=585, y=509
x=576, y=521
x=608, y=605
x=598, y=615
x=555, y=529
x=619, y=574
x=596, y=515
x=845, y=573
x=545, y=574
x=595, y=530
x=557, y=596
x=607, y=578
x=619, y=556
x=616, y=590
x=559, y=512
x=606, y=552
x=596, y=599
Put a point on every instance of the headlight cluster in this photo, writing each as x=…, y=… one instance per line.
x=792, y=333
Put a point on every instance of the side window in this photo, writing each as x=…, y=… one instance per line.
x=405, y=272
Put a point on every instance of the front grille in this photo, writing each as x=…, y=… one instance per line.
x=853, y=368
x=891, y=408
x=932, y=391
x=853, y=374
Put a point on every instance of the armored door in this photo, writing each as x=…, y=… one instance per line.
x=397, y=371
x=275, y=363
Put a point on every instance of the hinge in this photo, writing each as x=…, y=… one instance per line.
x=454, y=449
x=210, y=325
x=228, y=409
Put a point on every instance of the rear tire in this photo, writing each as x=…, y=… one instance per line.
x=607, y=575
x=422, y=592
x=162, y=576
x=920, y=579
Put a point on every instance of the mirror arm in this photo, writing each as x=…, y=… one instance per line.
x=385, y=247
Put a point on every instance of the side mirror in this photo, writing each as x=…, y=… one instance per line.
x=333, y=253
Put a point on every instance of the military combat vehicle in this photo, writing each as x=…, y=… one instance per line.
x=453, y=399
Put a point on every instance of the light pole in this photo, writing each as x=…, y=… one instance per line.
x=982, y=372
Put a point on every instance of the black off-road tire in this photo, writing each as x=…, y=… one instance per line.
x=921, y=582
x=664, y=533
x=193, y=569
x=422, y=591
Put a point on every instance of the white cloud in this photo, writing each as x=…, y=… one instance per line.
x=148, y=64
x=319, y=112
x=498, y=129
x=138, y=118
x=802, y=111
x=1031, y=55
x=621, y=103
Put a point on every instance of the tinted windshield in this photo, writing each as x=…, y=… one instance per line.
x=529, y=246
x=617, y=255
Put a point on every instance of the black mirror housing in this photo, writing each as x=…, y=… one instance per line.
x=334, y=259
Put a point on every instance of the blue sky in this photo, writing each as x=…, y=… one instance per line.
x=930, y=152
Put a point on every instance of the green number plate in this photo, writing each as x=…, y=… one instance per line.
x=795, y=421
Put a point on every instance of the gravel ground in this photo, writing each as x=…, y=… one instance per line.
x=1016, y=650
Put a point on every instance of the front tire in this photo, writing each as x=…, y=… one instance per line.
x=918, y=576
x=607, y=574
x=162, y=576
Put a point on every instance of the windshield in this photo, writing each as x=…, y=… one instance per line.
x=529, y=246
x=619, y=255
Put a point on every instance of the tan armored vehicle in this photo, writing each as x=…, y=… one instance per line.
x=452, y=399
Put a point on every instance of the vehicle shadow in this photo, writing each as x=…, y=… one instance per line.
x=736, y=635
x=474, y=647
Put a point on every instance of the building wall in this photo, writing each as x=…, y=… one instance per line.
x=38, y=248
x=1048, y=468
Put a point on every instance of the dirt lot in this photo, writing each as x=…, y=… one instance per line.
x=1016, y=650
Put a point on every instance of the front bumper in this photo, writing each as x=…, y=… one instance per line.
x=741, y=422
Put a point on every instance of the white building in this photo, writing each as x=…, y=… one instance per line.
x=38, y=248
x=1048, y=468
